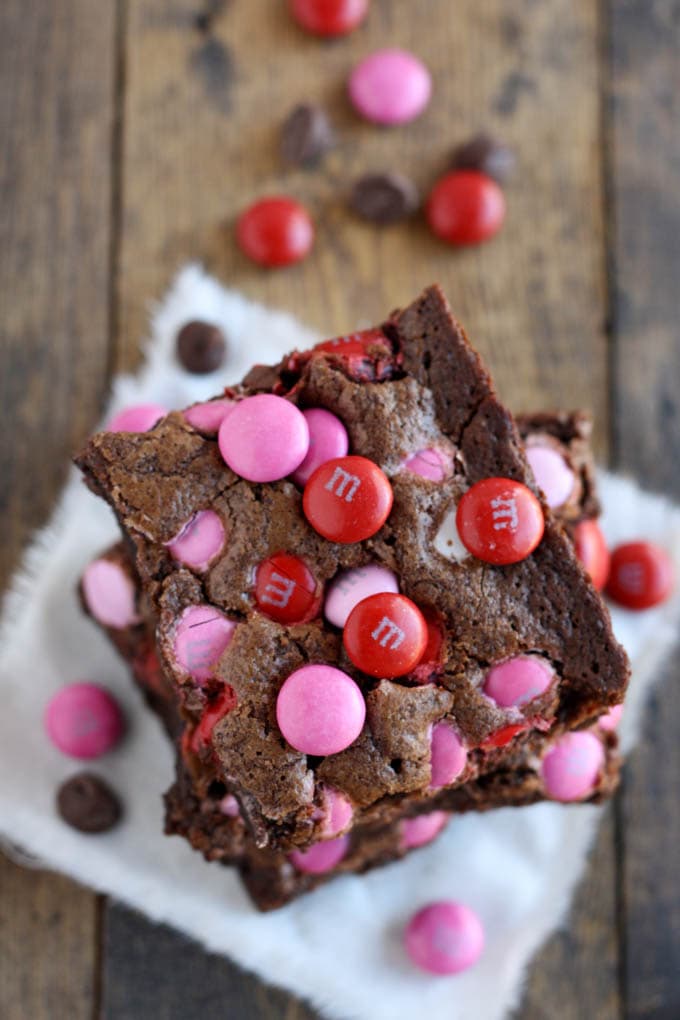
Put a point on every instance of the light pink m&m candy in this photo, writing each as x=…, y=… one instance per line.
x=444, y=938
x=109, y=594
x=422, y=829
x=209, y=416
x=202, y=635
x=611, y=719
x=83, y=720
x=229, y=806
x=321, y=857
x=447, y=755
x=320, y=710
x=264, y=438
x=327, y=439
x=433, y=464
x=139, y=418
x=350, y=587
x=336, y=812
x=199, y=541
x=571, y=768
x=390, y=86
x=553, y=474
x=518, y=681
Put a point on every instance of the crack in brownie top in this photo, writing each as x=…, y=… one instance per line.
x=419, y=409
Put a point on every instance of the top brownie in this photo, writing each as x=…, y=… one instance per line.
x=417, y=402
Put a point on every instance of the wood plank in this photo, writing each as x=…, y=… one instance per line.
x=202, y=114
x=645, y=259
x=56, y=107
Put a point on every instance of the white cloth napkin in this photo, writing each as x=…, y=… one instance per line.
x=339, y=947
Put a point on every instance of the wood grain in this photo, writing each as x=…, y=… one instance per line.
x=56, y=108
x=645, y=258
x=201, y=117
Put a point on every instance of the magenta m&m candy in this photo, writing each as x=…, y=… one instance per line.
x=350, y=587
x=610, y=720
x=320, y=857
x=336, y=812
x=264, y=438
x=552, y=473
x=422, y=829
x=390, y=86
x=434, y=464
x=444, y=938
x=327, y=439
x=517, y=681
x=209, y=416
x=500, y=521
x=572, y=767
x=83, y=720
x=139, y=418
x=109, y=594
x=202, y=635
x=320, y=710
x=200, y=540
x=447, y=755
x=347, y=499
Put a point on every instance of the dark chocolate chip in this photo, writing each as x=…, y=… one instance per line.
x=201, y=347
x=306, y=135
x=88, y=804
x=486, y=154
x=384, y=198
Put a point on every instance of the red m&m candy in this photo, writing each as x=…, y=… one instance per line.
x=385, y=635
x=641, y=575
x=275, y=232
x=347, y=499
x=465, y=207
x=592, y=551
x=353, y=343
x=286, y=590
x=500, y=521
x=329, y=17
x=216, y=710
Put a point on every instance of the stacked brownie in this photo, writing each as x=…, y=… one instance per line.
x=244, y=591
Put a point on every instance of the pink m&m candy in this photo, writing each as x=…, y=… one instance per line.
x=422, y=829
x=320, y=710
x=447, y=755
x=553, y=474
x=209, y=416
x=517, y=681
x=444, y=938
x=109, y=594
x=611, y=719
x=139, y=418
x=264, y=438
x=229, y=806
x=202, y=635
x=571, y=768
x=321, y=857
x=83, y=720
x=390, y=86
x=199, y=541
x=433, y=464
x=327, y=439
x=350, y=587
x=336, y=812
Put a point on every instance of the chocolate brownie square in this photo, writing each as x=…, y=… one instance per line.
x=409, y=388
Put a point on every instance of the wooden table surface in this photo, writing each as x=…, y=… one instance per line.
x=130, y=136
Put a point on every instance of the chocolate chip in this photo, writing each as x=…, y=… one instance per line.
x=484, y=153
x=201, y=347
x=305, y=136
x=384, y=198
x=87, y=803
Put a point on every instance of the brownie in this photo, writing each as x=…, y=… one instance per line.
x=415, y=383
